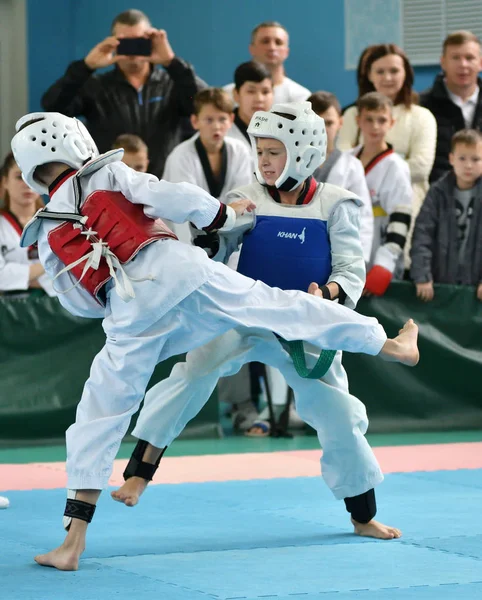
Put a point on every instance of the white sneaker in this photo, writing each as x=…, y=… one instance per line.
x=4, y=502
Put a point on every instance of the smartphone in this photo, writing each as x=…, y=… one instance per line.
x=134, y=47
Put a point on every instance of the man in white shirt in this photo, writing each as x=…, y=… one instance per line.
x=270, y=47
x=455, y=98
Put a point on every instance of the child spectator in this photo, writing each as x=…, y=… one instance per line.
x=136, y=154
x=447, y=242
x=253, y=90
x=388, y=180
x=20, y=269
x=210, y=160
x=342, y=168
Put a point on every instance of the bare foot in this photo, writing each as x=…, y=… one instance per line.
x=403, y=348
x=64, y=558
x=130, y=492
x=376, y=530
x=314, y=290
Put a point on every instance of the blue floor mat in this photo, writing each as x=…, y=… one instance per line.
x=281, y=539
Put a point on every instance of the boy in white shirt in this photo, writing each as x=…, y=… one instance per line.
x=388, y=180
x=342, y=168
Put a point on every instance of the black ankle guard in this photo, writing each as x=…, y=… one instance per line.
x=363, y=507
x=137, y=468
x=77, y=509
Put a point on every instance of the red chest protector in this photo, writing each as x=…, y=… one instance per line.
x=121, y=226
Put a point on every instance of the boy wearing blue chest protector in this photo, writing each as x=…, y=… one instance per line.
x=304, y=235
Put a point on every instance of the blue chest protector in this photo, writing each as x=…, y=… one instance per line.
x=287, y=252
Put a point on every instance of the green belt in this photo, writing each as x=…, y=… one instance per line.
x=297, y=353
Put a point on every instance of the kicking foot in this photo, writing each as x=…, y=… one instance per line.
x=314, y=290
x=63, y=558
x=403, y=348
x=376, y=530
x=130, y=492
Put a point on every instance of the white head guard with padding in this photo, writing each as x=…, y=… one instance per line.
x=302, y=132
x=52, y=137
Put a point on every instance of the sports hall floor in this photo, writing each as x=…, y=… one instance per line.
x=245, y=519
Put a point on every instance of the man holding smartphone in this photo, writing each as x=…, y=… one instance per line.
x=135, y=96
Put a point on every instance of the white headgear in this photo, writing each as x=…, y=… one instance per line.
x=302, y=132
x=52, y=138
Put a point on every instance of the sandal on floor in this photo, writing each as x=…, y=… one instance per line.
x=262, y=425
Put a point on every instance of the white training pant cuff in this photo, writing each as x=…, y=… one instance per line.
x=88, y=482
x=369, y=482
x=375, y=340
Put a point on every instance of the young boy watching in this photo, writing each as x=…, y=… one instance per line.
x=253, y=90
x=446, y=241
x=388, y=180
x=210, y=160
x=342, y=168
x=136, y=154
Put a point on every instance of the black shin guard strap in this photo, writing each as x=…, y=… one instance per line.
x=77, y=509
x=137, y=468
x=363, y=507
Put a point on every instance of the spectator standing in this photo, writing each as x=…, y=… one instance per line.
x=447, y=239
x=455, y=97
x=270, y=47
x=135, y=96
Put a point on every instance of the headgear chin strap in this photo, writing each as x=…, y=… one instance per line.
x=50, y=137
x=302, y=132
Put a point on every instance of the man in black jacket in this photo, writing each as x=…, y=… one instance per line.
x=134, y=97
x=455, y=98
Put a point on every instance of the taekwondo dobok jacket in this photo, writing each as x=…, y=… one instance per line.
x=186, y=164
x=166, y=263
x=388, y=180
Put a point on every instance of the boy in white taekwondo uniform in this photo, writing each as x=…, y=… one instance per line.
x=211, y=160
x=342, y=168
x=346, y=171
x=388, y=180
x=303, y=232
x=100, y=217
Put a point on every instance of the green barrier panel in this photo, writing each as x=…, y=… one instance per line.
x=45, y=358
x=443, y=391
